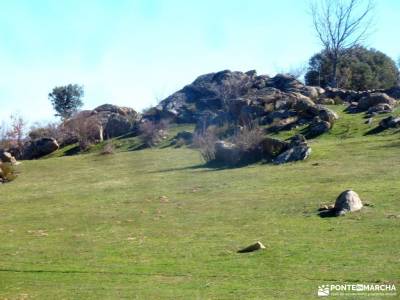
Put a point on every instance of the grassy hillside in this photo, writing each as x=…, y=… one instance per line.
x=157, y=224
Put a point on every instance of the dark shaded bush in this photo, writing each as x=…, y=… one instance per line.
x=359, y=68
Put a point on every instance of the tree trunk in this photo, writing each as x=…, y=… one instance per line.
x=335, y=58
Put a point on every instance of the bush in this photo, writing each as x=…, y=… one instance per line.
x=50, y=130
x=82, y=129
x=205, y=142
x=358, y=69
x=7, y=172
x=152, y=133
x=248, y=137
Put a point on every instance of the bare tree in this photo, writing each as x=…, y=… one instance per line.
x=341, y=24
x=16, y=131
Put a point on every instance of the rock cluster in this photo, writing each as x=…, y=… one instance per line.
x=236, y=97
x=270, y=149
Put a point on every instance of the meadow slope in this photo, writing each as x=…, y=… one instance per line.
x=158, y=224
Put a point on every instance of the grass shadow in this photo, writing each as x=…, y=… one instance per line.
x=328, y=213
x=73, y=151
x=375, y=130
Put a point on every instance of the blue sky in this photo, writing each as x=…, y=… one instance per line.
x=134, y=52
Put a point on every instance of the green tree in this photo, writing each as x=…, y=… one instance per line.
x=358, y=69
x=66, y=100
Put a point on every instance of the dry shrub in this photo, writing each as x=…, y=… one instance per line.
x=249, y=137
x=108, y=149
x=7, y=172
x=205, y=142
x=152, y=133
x=50, y=130
x=86, y=131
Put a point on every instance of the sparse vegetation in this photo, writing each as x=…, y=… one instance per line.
x=152, y=133
x=7, y=172
x=108, y=149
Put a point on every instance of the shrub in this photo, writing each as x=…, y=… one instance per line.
x=248, y=137
x=50, y=130
x=82, y=129
x=152, y=133
x=359, y=68
x=205, y=142
x=7, y=172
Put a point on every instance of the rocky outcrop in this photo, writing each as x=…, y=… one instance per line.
x=39, y=148
x=280, y=102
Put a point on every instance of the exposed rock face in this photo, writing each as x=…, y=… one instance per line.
x=215, y=99
x=39, y=148
x=348, y=201
x=116, y=120
x=240, y=95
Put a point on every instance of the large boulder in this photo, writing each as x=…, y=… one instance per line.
x=347, y=201
x=296, y=153
x=374, y=99
x=116, y=120
x=318, y=127
x=227, y=153
x=327, y=115
x=39, y=148
x=390, y=122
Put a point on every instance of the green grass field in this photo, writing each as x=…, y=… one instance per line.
x=158, y=224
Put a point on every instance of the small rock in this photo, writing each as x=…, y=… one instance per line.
x=253, y=247
x=348, y=201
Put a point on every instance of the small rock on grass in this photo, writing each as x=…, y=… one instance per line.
x=254, y=247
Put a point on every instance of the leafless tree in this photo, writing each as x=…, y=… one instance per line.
x=16, y=131
x=341, y=24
